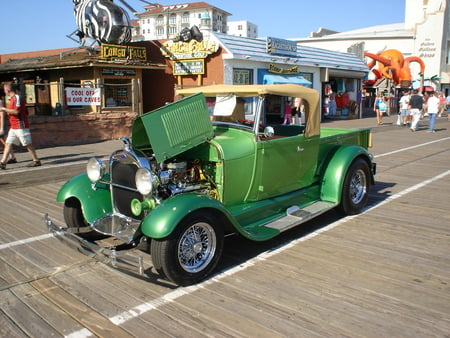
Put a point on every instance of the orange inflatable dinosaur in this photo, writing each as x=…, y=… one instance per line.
x=392, y=65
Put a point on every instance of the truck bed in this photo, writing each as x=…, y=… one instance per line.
x=339, y=136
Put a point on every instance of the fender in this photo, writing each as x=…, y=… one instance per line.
x=162, y=220
x=95, y=203
x=333, y=178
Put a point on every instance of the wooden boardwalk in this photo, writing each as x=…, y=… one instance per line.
x=383, y=273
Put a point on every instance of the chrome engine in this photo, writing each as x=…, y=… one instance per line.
x=169, y=178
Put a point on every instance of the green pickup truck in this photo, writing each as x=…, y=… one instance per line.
x=211, y=164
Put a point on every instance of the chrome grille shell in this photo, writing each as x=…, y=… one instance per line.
x=123, y=165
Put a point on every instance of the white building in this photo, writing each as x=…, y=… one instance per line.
x=166, y=22
x=425, y=34
x=243, y=28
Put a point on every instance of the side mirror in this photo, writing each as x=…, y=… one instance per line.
x=269, y=131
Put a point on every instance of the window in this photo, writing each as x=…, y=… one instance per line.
x=185, y=18
x=117, y=92
x=307, y=76
x=239, y=27
x=160, y=31
x=172, y=30
x=242, y=76
x=173, y=19
x=160, y=20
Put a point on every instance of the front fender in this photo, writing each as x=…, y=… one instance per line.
x=162, y=220
x=333, y=178
x=95, y=203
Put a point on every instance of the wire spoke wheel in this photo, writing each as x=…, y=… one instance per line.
x=192, y=251
x=358, y=186
x=197, y=247
x=355, y=190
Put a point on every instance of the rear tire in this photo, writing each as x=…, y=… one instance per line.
x=355, y=191
x=192, y=251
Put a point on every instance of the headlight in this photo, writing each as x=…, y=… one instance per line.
x=146, y=181
x=95, y=169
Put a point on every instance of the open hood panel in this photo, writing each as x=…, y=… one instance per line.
x=174, y=128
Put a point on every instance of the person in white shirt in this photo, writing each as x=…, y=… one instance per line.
x=433, y=110
x=404, y=111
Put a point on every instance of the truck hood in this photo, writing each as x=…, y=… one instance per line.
x=173, y=128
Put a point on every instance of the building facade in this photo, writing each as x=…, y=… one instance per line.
x=242, y=28
x=159, y=22
x=424, y=34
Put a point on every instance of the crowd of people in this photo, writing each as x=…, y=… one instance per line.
x=413, y=106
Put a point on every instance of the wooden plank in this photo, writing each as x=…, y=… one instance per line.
x=25, y=318
x=276, y=319
x=8, y=328
x=78, y=310
x=395, y=297
x=58, y=319
x=27, y=267
x=9, y=275
x=98, y=286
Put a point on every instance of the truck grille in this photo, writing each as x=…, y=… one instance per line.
x=123, y=171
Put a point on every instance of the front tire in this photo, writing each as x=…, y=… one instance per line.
x=74, y=218
x=355, y=191
x=192, y=251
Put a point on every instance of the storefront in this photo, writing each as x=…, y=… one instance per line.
x=79, y=96
x=241, y=60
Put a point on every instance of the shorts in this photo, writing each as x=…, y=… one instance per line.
x=19, y=137
x=404, y=112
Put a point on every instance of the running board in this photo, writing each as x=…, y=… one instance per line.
x=296, y=215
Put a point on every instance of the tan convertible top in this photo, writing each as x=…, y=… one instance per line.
x=290, y=90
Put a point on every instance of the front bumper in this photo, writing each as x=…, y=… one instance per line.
x=111, y=256
x=118, y=226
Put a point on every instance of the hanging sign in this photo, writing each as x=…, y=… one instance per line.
x=83, y=96
x=123, y=53
x=278, y=70
x=189, y=50
x=275, y=46
x=189, y=67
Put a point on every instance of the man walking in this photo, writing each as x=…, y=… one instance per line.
x=415, y=106
x=19, y=132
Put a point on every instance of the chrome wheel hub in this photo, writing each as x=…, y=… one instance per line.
x=358, y=186
x=197, y=247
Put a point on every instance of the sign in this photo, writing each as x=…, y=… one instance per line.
x=189, y=50
x=83, y=96
x=276, y=46
x=427, y=49
x=189, y=67
x=279, y=70
x=123, y=53
x=118, y=72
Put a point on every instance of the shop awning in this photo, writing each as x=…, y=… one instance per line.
x=280, y=79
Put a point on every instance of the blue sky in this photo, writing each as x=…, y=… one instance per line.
x=44, y=24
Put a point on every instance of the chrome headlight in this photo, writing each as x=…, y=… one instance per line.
x=146, y=181
x=95, y=169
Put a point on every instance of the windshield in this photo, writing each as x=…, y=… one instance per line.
x=232, y=109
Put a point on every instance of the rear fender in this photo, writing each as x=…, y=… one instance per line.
x=95, y=202
x=333, y=178
x=162, y=220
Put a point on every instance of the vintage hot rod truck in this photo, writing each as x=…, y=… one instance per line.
x=193, y=172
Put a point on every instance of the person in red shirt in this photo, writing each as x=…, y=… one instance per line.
x=12, y=158
x=19, y=132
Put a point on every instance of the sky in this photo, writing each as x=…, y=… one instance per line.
x=40, y=25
